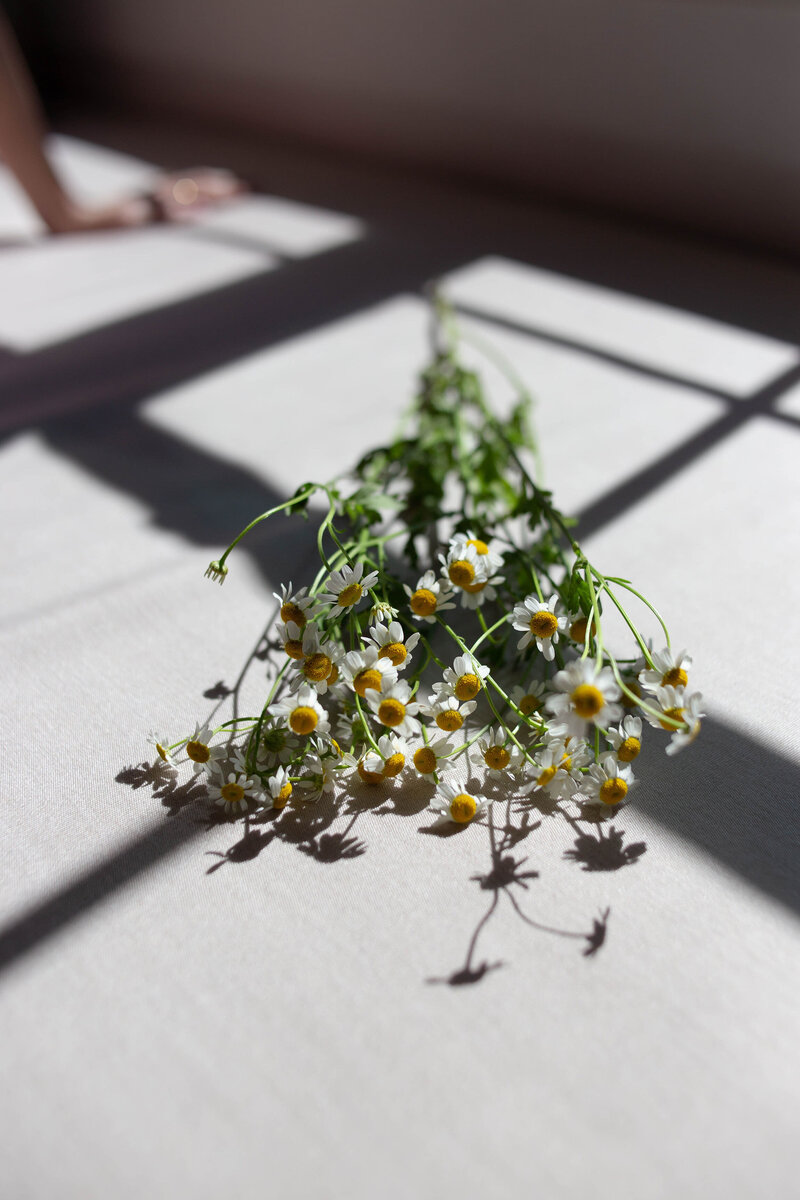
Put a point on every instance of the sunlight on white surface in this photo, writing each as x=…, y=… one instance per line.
x=283, y=225
x=695, y=348
x=315, y=404
x=789, y=403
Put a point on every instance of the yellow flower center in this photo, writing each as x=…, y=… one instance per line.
x=423, y=602
x=474, y=588
x=629, y=749
x=543, y=624
x=391, y=712
x=304, y=719
x=337, y=747
x=480, y=547
x=529, y=704
x=676, y=714
x=461, y=572
x=676, y=677
x=232, y=793
x=449, y=720
x=396, y=653
x=497, y=757
x=463, y=808
x=425, y=760
x=368, y=776
x=317, y=667
x=198, y=751
x=350, y=595
x=334, y=675
x=587, y=700
x=546, y=775
x=293, y=612
x=366, y=679
x=577, y=630
x=282, y=796
x=161, y=752
x=394, y=765
x=566, y=763
x=293, y=648
x=467, y=687
x=613, y=790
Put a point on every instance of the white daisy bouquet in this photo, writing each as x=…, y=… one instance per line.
x=454, y=629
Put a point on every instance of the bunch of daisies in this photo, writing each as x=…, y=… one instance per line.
x=475, y=658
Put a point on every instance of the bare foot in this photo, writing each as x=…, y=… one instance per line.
x=179, y=197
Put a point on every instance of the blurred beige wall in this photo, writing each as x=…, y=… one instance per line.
x=674, y=109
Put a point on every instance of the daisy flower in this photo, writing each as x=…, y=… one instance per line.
x=382, y=612
x=279, y=788
x=670, y=670
x=448, y=713
x=396, y=709
x=463, y=680
x=557, y=769
x=426, y=758
x=538, y=622
x=295, y=606
x=319, y=662
x=496, y=753
x=234, y=791
x=674, y=704
x=577, y=626
x=607, y=782
x=627, y=739
x=529, y=700
x=471, y=574
x=161, y=747
x=323, y=766
x=392, y=644
x=430, y=597
x=302, y=712
x=199, y=749
x=347, y=588
x=584, y=694
x=277, y=745
x=291, y=638
x=457, y=805
x=476, y=594
x=490, y=551
x=389, y=759
x=364, y=671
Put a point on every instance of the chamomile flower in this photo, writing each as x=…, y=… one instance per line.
x=365, y=671
x=674, y=705
x=291, y=638
x=455, y=804
x=389, y=759
x=427, y=757
x=607, y=782
x=449, y=713
x=396, y=709
x=234, y=791
x=347, y=588
x=529, y=700
x=297, y=607
x=392, y=644
x=302, y=712
x=319, y=664
x=463, y=680
x=323, y=765
x=382, y=612
x=161, y=747
x=627, y=739
x=557, y=766
x=279, y=788
x=669, y=670
x=538, y=622
x=471, y=574
x=277, y=745
x=491, y=551
x=577, y=626
x=584, y=693
x=430, y=597
x=199, y=750
x=497, y=753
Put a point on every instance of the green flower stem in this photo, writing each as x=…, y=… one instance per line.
x=365, y=724
x=305, y=495
x=642, y=644
x=629, y=588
